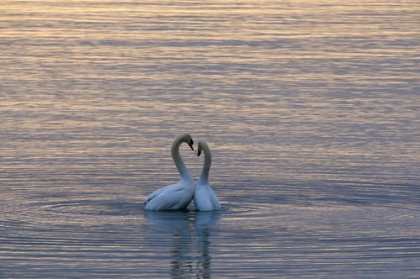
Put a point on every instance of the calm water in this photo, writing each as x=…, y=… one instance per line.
x=311, y=108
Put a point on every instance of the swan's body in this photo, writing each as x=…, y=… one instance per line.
x=204, y=197
x=176, y=196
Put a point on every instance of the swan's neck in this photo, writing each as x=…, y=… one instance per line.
x=179, y=163
x=204, y=178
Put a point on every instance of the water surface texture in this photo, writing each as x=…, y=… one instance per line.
x=311, y=109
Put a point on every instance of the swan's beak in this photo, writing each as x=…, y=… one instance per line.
x=199, y=152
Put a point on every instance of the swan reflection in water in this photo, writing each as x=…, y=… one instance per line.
x=187, y=234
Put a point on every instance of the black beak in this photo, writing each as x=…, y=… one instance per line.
x=199, y=152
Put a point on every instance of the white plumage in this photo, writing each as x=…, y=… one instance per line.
x=205, y=198
x=176, y=196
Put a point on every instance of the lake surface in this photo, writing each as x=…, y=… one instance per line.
x=311, y=109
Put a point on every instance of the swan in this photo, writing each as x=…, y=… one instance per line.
x=204, y=197
x=176, y=196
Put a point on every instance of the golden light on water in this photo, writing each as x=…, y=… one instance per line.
x=310, y=108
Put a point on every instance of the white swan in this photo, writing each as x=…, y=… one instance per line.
x=204, y=197
x=176, y=196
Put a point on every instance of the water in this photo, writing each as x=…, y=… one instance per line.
x=311, y=109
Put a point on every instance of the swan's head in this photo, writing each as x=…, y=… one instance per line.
x=188, y=139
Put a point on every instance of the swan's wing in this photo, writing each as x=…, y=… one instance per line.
x=156, y=193
x=172, y=197
x=205, y=198
x=202, y=199
x=166, y=198
x=214, y=198
x=152, y=195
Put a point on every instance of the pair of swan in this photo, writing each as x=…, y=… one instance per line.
x=178, y=196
